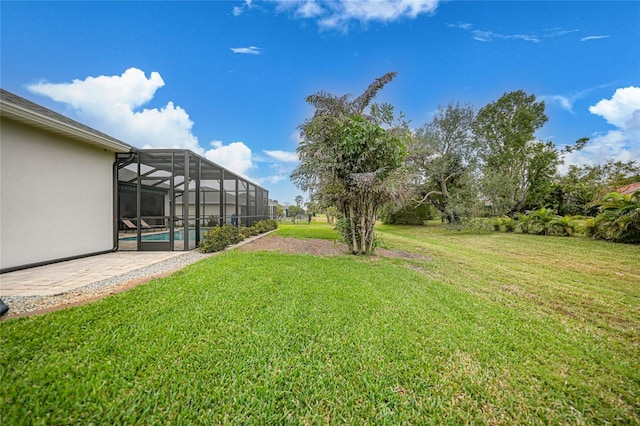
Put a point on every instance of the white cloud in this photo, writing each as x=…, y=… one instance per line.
x=486, y=35
x=391, y=10
x=620, y=108
x=337, y=14
x=310, y=9
x=463, y=25
x=557, y=32
x=594, y=37
x=239, y=10
x=296, y=136
x=281, y=165
x=95, y=94
x=110, y=104
x=482, y=35
x=621, y=144
x=271, y=179
x=251, y=50
x=565, y=102
x=284, y=156
x=236, y=156
x=612, y=145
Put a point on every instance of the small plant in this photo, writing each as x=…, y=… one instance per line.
x=541, y=221
x=266, y=225
x=248, y=231
x=509, y=224
x=505, y=224
x=619, y=220
x=523, y=223
x=219, y=238
x=564, y=226
x=261, y=227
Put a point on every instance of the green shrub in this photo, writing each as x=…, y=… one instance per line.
x=246, y=231
x=261, y=227
x=565, y=226
x=509, y=224
x=505, y=224
x=407, y=215
x=476, y=225
x=212, y=241
x=219, y=238
x=619, y=220
x=266, y=225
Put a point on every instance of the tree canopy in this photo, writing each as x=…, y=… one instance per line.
x=443, y=157
x=514, y=164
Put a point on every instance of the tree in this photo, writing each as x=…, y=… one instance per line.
x=299, y=199
x=517, y=169
x=351, y=159
x=581, y=185
x=443, y=158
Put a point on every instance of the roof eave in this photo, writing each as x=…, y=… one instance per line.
x=26, y=115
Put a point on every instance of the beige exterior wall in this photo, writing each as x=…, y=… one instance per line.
x=56, y=196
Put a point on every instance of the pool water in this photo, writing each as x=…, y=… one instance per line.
x=164, y=236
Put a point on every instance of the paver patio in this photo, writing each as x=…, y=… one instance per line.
x=61, y=277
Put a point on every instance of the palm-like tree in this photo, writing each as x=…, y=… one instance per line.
x=330, y=105
x=619, y=219
x=524, y=223
x=541, y=221
x=565, y=226
x=347, y=158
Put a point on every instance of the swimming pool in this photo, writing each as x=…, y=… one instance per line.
x=164, y=236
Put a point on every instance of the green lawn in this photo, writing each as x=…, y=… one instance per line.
x=313, y=230
x=495, y=328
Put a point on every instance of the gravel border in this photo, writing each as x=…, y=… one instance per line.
x=19, y=305
x=30, y=305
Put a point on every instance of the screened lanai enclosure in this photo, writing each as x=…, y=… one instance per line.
x=167, y=199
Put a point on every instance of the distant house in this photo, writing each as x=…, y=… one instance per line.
x=629, y=189
x=68, y=191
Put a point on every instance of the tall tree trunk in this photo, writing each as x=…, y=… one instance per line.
x=363, y=228
x=371, y=232
x=352, y=227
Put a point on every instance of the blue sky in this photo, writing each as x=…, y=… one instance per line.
x=228, y=79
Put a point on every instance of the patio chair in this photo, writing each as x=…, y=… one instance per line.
x=130, y=225
x=145, y=225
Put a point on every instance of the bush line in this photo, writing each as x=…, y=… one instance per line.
x=219, y=238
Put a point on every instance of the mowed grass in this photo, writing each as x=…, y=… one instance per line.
x=487, y=329
x=314, y=229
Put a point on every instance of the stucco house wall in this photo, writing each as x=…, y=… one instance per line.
x=56, y=190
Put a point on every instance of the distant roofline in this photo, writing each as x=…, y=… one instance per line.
x=22, y=110
x=629, y=189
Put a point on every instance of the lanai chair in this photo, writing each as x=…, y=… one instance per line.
x=130, y=225
x=145, y=225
